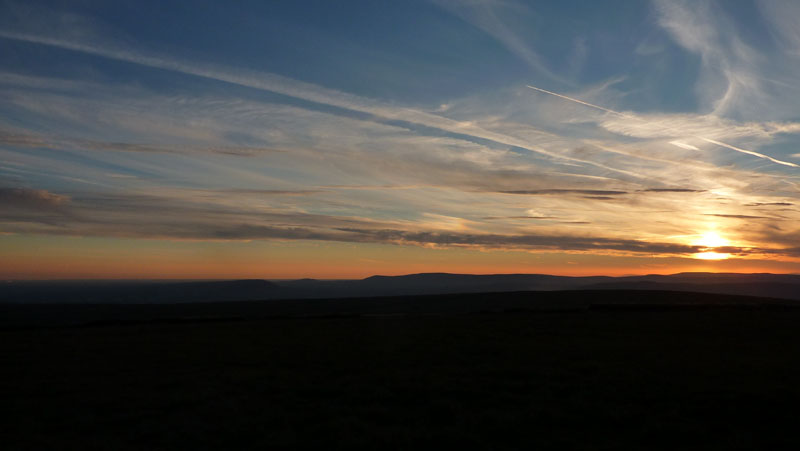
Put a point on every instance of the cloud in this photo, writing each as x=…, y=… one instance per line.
x=599, y=197
x=572, y=99
x=633, y=125
x=750, y=152
x=672, y=190
x=760, y=204
x=420, y=120
x=696, y=27
x=531, y=241
x=266, y=192
x=740, y=76
x=545, y=192
x=34, y=199
x=170, y=218
x=377, y=187
x=328, y=165
x=491, y=218
x=659, y=126
x=785, y=242
x=683, y=145
x=18, y=139
x=190, y=219
x=390, y=174
x=420, y=160
x=497, y=19
x=783, y=16
x=738, y=216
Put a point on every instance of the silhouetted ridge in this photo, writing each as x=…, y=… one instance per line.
x=765, y=289
x=785, y=286
x=443, y=283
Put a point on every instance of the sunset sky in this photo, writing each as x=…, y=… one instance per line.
x=327, y=139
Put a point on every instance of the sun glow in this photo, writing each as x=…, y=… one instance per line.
x=711, y=240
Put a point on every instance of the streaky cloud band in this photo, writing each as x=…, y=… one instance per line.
x=629, y=116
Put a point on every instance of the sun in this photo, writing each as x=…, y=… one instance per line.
x=710, y=240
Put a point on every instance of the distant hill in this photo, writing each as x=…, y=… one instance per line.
x=783, y=286
x=766, y=289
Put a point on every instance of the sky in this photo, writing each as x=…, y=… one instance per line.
x=290, y=139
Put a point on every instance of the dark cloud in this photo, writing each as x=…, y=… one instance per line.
x=249, y=231
x=765, y=204
x=672, y=190
x=152, y=217
x=735, y=250
x=607, y=195
x=554, y=242
x=14, y=139
x=35, y=199
x=738, y=216
x=777, y=237
x=519, y=217
x=268, y=192
x=785, y=251
x=239, y=151
x=148, y=217
x=545, y=192
x=377, y=187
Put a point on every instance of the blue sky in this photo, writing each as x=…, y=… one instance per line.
x=624, y=129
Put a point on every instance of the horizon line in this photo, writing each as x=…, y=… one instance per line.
x=282, y=279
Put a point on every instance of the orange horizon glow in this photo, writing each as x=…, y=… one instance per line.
x=153, y=259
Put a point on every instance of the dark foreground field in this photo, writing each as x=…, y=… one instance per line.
x=586, y=378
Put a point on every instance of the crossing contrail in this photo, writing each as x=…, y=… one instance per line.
x=629, y=116
x=571, y=99
x=749, y=152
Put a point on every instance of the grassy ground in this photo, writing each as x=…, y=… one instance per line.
x=711, y=379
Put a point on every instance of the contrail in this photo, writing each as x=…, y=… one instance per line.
x=750, y=152
x=583, y=103
x=628, y=116
x=300, y=90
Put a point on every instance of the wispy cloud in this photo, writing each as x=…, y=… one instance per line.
x=672, y=190
x=513, y=168
x=750, y=152
x=783, y=15
x=293, y=88
x=122, y=216
x=737, y=79
x=33, y=199
x=496, y=18
x=15, y=139
x=762, y=204
x=641, y=127
x=544, y=192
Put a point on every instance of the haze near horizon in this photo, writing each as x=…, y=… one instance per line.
x=331, y=140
